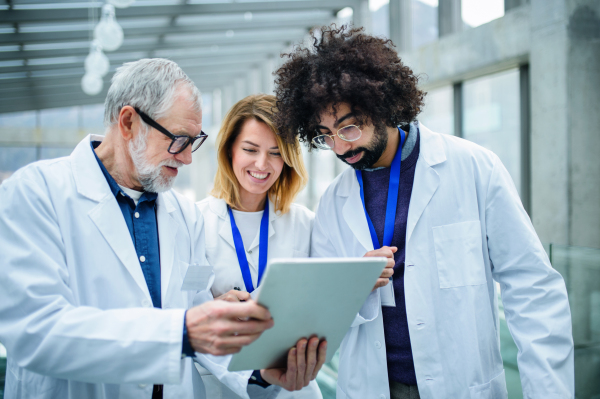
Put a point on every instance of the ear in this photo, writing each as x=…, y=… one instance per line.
x=128, y=123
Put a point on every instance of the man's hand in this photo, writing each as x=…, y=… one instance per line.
x=386, y=252
x=234, y=296
x=215, y=327
x=303, y=365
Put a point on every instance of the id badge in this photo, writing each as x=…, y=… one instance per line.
x=387, y=294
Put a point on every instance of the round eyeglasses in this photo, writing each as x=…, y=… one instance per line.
x=346, y=133
x=178, y=143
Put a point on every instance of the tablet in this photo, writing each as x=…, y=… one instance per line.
x=308, y=297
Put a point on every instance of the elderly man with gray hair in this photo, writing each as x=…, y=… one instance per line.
x=100, y=258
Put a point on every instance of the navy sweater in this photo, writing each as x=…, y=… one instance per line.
x=395, y=325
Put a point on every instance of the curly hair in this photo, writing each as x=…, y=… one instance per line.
x=344, y=66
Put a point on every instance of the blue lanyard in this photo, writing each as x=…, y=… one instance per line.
x=263, y=247
x=392, y=199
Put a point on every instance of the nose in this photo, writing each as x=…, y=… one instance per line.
x=185, y=156
x=340, y=146
x=261, y=162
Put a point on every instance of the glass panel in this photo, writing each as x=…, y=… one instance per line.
x=438, y=114
x=18, y=127
x=60, y=125
x=477, y=12
x=424, y=22
x=380, y=18
x=13, y=158
x=92, y=119
x=2, y=369
x=55, y=152
x=491, y=117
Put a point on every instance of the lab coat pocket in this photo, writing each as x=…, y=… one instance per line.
x=458, y=254
x=494, y=389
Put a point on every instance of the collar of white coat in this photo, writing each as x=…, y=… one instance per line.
x=432, y=152
x=89, y=179
x=219, y=207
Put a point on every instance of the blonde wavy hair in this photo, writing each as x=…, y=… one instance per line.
x=293, y=178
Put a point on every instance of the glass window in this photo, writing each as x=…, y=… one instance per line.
x=380, y=17
x=491, y=117
x=92, y=119
x=438, y=114
x=322, y=167
x=477, y=12
x=424, y=22
x=60, y=125
x=18, y=127
x=55, y=152
x=13, y=158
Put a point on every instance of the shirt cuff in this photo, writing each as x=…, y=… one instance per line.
x=257, y=379
x=186, y=348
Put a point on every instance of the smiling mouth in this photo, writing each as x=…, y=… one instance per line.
x=259, y=176
x=354, y=158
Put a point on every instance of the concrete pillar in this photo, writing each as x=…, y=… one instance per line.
x=449, y=17
x=361, y=15
x=254, y=81
x=565, y=92
x=240, y=89
x=510, y=4
x=401, y=24
x=268, y=80
x=583, y=94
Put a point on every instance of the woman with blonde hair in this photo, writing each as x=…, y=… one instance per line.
x=250, y=216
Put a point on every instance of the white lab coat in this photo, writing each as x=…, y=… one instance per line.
x=466, y=229
x=76, y=316
x=289, y=236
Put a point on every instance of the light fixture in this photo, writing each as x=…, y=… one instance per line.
x=108, y=32
x=121, y=3
x=96, y=62
x=92, y=84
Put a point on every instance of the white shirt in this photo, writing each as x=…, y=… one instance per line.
x=289, y=237
x=248, y=223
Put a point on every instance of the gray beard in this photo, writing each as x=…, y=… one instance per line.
x=150, y=176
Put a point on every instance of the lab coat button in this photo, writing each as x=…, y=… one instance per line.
x=382, y=396
x=142, y=258
x=137, y=215
x=249, y=251
x=377, y=344
x=146, y=303
x=142, y=386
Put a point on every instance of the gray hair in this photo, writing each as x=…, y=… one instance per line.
x=149, y=84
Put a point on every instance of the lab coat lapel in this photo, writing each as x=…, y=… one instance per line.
x=107, y=215
x=426, y=179
x=353, y=212
x=167, y=235
x=220, y=208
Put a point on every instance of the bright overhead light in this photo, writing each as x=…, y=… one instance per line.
x=91, y=84
x=96, y=62
x=108, y=32
x=121, y=3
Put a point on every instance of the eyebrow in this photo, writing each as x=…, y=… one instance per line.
x=256, y=145
x=337, y=122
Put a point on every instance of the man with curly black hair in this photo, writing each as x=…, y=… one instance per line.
x=446, y=214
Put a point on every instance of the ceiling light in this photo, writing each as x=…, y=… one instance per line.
x=108, y=32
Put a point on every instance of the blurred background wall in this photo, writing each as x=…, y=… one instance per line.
x=520, y=77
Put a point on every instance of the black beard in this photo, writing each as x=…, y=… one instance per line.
x=372, y=152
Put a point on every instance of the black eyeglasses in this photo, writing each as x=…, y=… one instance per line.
x=178, y=143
